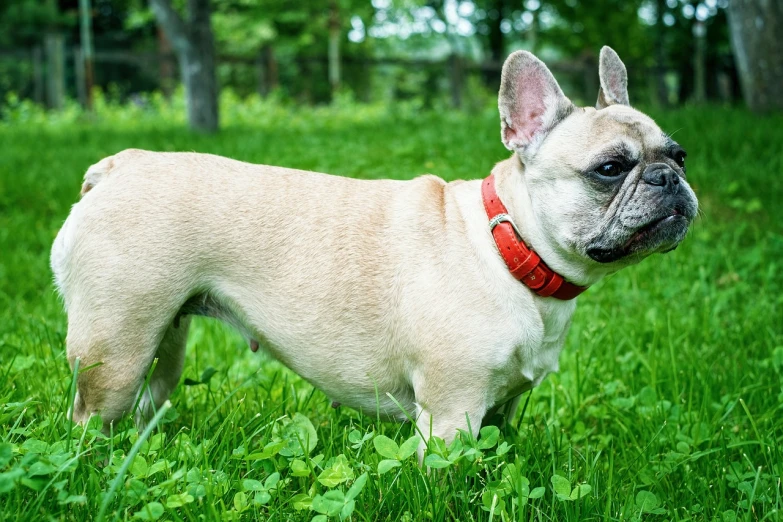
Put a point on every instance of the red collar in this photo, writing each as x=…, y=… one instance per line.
x=523, y=263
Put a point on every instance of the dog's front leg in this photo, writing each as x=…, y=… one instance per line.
x=502, y=414
x=443, y=420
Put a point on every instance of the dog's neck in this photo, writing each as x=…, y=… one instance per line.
x=513, y=191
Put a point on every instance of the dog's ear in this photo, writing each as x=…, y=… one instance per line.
x=614, y=79
x=531, y=103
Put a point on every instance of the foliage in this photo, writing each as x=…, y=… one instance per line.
x=668, y=404
x=23, y=21
x=276, y=44
x=586, y=26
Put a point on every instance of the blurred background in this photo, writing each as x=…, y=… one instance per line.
x=429, y=53
x=670, y=396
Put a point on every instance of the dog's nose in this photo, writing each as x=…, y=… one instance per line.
x=662, y=175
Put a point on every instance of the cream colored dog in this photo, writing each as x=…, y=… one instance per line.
x=368, y=289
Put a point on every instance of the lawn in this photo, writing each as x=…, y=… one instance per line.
x=668, y=405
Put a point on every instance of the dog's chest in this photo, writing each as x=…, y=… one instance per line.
x=534, y=351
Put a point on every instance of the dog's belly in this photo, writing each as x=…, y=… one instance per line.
x=351, y=366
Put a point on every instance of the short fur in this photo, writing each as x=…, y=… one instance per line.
x=368, y=289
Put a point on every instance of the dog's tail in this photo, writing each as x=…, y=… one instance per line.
x=96, y=173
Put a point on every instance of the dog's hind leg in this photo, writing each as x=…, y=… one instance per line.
x=165, y=377
x=116, y=348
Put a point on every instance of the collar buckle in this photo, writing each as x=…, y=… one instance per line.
x=503, y=218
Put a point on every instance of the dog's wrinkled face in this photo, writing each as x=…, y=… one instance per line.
x=606, y=183
x=611, y=185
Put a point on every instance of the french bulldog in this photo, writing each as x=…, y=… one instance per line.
x=403, y=298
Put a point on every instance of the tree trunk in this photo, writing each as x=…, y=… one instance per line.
x=758, y=50
x=662, y=93
x=699, y=65
x=267, y=71
x=334, y=47
x=532, y=33
x=38, y=76
x=166, y=64
x=198, y=69
x=496, y=41
x=193, y=43
x=55, y=70
x=455, y=80
x=86, y=67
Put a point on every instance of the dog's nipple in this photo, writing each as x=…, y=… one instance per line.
x=253, y=345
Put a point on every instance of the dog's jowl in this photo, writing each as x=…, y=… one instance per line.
x=452, y=298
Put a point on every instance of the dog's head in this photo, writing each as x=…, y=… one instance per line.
x=606, y=184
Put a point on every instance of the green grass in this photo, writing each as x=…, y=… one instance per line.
x=669, y=403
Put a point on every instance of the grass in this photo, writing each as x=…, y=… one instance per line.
x=668, y=405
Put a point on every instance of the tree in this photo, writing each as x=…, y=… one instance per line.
x=660, y=53
x=194, y=45
x=758, y=51
x=23, y=21
x=495, y=11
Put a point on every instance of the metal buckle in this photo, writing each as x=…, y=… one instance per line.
x=503, y=218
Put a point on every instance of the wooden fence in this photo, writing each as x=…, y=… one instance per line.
x=52, y=72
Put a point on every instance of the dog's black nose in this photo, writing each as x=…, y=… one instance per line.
x=662, y=175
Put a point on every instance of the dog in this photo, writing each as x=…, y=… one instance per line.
x=442, y=301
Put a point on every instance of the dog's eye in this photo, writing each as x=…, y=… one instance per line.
x=680, y=159
x=611, y=169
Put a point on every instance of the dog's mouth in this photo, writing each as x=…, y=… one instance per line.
x=666, y=231
x=653, y=229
